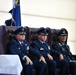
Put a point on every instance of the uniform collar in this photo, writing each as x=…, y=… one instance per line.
x=20, y=42
x=41, y=41
x=61, y=44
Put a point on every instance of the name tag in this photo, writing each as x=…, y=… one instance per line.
x=49, y=47
x=41, y=48
x=27, y=47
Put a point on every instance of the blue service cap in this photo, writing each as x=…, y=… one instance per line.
x=20, y=30
x=63, y=31
x=42, y=31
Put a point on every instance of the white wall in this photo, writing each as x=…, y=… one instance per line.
x=48, y=13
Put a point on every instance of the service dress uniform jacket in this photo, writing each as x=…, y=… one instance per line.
x=65, y=50
x=23, y=50
x=17, y=48
x=45, y=49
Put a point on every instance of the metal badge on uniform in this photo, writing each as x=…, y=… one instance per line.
x=41, y=48
x=27, y=47
x=26, y=44
x=49, y=47
x=63, y=49
x=45, y=30
x=22, y=29
x=18, y=47
x=64, y=32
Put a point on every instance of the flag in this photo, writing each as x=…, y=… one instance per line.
x=16, y=14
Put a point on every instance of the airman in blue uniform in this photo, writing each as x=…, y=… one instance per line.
x=64, y=49
x=11, y=21
x=43, y=48
x=22, y=48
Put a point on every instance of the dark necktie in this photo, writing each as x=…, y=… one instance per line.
x=45, y=46
x=23, y=47
x=22, y=44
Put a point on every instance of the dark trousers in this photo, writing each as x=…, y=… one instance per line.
x=51, y=64
x=72, y=68
x=63, y=66
x=28, y=69
x=39, y=67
